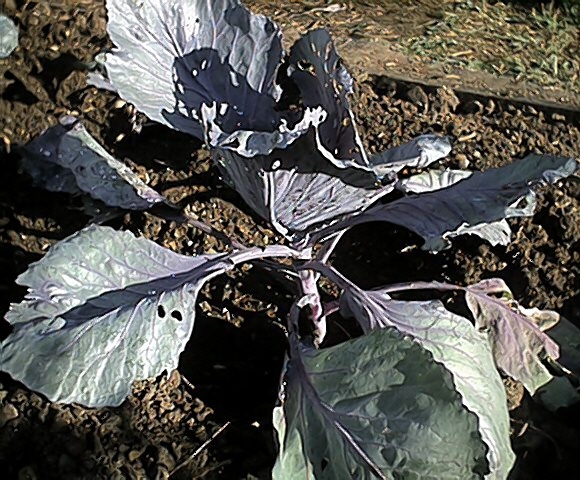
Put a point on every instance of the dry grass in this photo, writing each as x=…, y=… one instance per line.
x=524, y=40
x=538, y=44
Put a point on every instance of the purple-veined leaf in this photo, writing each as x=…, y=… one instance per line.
x=518, y=344
x=377, y=406
x=496, y=233
x=105, y=308
x=466, y=206
x=66, y=158
x=296, y=189
x=324, y=81
x=203, y=67
x=454, y=342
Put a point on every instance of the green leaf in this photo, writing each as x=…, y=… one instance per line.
x=378, y=406
x=461, y=348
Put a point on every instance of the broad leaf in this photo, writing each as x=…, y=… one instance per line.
x=454, y=342
x=496, y=233
x=103, y=309
x=203, y=67
x=464, y=207
x=66, y=158
x=375, y=407
x=518, y=345
x=525, y=340
x=299, y=191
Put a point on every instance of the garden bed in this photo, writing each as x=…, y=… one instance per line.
x=230, y=371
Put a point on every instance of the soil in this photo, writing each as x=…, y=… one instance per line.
x=212, y=418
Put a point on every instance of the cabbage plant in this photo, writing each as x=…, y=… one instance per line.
x=419, y=394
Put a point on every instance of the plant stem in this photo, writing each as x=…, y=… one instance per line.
x=331, y=307
x=309, y=285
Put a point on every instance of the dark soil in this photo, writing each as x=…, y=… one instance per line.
x=229, y=373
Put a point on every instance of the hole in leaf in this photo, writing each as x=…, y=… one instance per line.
x=234, y=144
x=305, y=66
x=177, y=315
x=161, y=311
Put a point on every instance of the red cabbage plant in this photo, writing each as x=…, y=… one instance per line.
x=419, y=394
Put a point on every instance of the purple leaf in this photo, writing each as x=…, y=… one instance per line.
x=66, y=158
x=466, y=206
x=377, y=406
x=518, y=344
x=203, y=67
x=296, y=189
x=324, y=81
x=105, y=308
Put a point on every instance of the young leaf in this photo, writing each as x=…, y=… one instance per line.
x=469, y=204
x=455, y=343
x=374, y=407
x=66, y=158
x=104, y=309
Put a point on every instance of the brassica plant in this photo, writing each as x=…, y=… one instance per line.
x=419, y=395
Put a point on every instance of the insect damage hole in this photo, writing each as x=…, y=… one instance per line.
x=177, y=315
x=161, y=311
x=305, y=66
